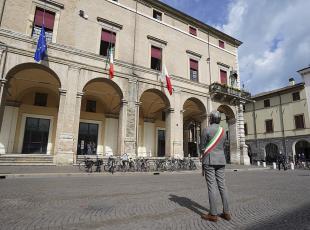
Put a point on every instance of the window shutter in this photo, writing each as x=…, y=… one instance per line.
x=194, y=64
x=108, y=36
x=221, y=44
x=223, y=75
x=193, y=31
x=49, y=18
x=156, y=52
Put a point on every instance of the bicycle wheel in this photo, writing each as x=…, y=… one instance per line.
x=82, y=166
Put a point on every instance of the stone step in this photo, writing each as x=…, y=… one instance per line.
x=27, y=164
x=31, y=159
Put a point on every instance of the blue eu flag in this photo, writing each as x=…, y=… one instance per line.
x=41, y=46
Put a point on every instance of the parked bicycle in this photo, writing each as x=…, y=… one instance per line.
x=86, y=164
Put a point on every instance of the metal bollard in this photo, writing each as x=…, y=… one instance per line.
x=292, y=166
x=264, y=164
x=274, y=165
x=258, y=163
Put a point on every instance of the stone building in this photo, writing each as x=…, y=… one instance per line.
x=277, y=121
x=67, y=106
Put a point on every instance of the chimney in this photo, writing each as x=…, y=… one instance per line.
x=291, y=81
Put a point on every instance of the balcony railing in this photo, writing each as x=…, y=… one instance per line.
x=224, y=93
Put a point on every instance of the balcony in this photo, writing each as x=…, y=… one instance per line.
x=230, y=95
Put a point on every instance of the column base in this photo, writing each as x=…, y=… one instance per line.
x=64, y=158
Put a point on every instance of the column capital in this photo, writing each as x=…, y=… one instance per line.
x=3, y=82
x=79, y=94
x=124, y=102
x=138, y=103
x=62, y=92
x=170, y=110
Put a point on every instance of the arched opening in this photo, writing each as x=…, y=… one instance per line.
x=272, y=152
x=303, y=147
x=99, y=118
x=31, y=102
x=228, y=122
x=194, y=114
x=152, y=123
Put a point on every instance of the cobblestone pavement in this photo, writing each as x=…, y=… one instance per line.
x=259, y=200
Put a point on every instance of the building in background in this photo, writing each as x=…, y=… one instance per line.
x=67, y=106
x=277, y=121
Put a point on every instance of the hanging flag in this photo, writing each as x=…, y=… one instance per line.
x=41, y=46
x=165, y=78
x=111, y=63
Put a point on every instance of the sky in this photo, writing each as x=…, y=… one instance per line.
x=275, y=36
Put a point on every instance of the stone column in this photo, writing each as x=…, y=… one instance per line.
x=122, y=120
x=66, y=121
x=132, y=115
x=233, y=137
x=76, y=126
x=169, y=138
x=244, y=157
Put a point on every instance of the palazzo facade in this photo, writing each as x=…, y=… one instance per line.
x=66, y=106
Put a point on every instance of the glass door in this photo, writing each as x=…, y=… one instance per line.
x=36, y=135
x=161, y=143
x=88, y=139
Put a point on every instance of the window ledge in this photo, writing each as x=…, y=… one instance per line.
x=157, y=40
x=110, y=23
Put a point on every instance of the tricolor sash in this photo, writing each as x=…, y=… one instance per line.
x=217, y=137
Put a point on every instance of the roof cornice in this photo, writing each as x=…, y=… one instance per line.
x=191, y=21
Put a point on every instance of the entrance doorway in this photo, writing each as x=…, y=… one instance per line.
x=161, y=144
x=36, y=136
x=88, y=139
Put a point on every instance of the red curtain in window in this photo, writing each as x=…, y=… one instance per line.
x=49, y=18
x=156, y=52
x=193, y=64
x=221, y=44
x=223, y=77
x=108, y=36
x=193, y=31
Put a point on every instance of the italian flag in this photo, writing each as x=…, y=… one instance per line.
x=166, y=79
x=215, y=140
x=111, y=68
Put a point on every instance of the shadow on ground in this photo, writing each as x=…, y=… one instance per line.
x=298, y=219
x=188, y=203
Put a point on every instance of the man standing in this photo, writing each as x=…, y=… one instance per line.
x=213, y=163
x=281, y=161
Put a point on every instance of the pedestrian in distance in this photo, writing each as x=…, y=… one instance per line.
x=213, y=165
x=281, y=161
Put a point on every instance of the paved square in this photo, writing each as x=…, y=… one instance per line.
x=259, y=200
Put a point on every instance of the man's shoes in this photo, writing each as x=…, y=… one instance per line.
x=226, y=216
x=209, y=217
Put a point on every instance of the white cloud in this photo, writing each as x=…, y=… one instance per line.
x=276, y=37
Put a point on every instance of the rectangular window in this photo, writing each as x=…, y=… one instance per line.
x=269, y=126
x=157, y=15
x=266, y=103
x=296, y=96
x=193, y=70
x=156, y=56
x=48, y=18
x=245, y=129
x=221, y=44
x=299, y=121
x=40, y=99
x=193, y=31
x=223, y=75
x=108, y=39
x=90, y=106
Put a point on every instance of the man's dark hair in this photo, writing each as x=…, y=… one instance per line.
x=215, y=117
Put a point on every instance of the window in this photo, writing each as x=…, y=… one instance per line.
x=269, y=126
x=223, y=76
x=296, y=96
x=90, y=106
x=245, y=129
x=193, y=70
x=299, y=121
x=221, y=44
x=266, y=103
x=40, y=99
x=108, y=39
x=156, y=55
x=157, y=15
x=193, y=31
x=48, y=17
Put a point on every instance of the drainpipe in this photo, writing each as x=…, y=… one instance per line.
x=2, y=11
x=282, y=127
